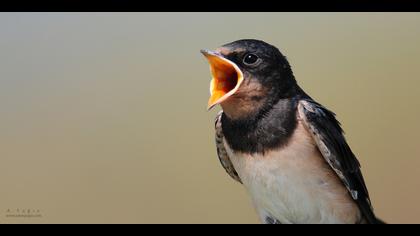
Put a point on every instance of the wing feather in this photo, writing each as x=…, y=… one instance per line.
x=328, y=135
x=221, y=150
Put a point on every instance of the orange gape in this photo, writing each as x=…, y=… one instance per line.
x=226, y=80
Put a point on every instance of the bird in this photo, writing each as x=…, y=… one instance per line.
x=287, y=150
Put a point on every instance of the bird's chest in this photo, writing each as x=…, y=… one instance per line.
x=293, y=184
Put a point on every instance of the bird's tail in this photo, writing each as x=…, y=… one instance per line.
x=379, y=221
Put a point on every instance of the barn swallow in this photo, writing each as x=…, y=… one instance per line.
x=287, y=150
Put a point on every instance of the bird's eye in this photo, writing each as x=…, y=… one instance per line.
x=250, y=59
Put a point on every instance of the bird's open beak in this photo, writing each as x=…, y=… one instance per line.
x=226, y=78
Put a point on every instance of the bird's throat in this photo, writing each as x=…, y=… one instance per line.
x=263, y=131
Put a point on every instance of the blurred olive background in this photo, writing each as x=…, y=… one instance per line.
x=103, y=115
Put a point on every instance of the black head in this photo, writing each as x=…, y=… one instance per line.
x=259, y=60
x=267, y=77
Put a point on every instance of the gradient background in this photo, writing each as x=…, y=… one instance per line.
x=103, y=115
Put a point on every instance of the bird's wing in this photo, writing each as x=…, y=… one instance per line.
x=328, y=135
x=221, y=150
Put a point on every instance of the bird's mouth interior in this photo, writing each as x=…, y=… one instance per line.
x=226, y=78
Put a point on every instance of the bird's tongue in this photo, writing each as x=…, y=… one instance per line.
x=226, y=80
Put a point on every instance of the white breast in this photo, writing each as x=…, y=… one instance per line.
x=294, y=184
